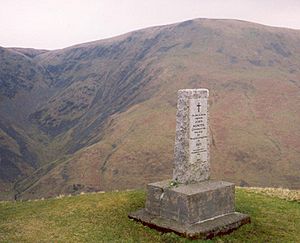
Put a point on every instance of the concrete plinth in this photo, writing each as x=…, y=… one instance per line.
x=200, y=210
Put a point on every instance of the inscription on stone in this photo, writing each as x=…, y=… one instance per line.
x=191, y=152
x=198, y=130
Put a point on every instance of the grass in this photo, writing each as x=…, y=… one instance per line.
x=102, y=217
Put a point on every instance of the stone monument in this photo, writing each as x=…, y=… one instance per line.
x=191, y=204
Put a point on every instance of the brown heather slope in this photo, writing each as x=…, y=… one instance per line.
x=112, y=112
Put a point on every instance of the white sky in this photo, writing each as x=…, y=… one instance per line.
x=53, y=24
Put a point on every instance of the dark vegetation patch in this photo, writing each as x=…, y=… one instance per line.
x=244, y=183
x=69, y=66
x=278, y=48
x=31, y=74
x=294, y=82
x=273, y=62
x=57, y=70
x=256, y=62
x=37, y=115
x=68, y=106
x=220, y=50
x=187, y=45
x=54, y=68
x=64, y=173
x=241, y=156
x=27, y=155
x=53, y=127
x=167, y=48
x=82, y=66
x=10, y=84
x=77, y=187
x=9, y=160
x=233, y=59
x=115, y=172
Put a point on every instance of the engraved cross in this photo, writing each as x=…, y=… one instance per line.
x=199, y=106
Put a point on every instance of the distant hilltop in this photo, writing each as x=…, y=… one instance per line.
x=101, y=115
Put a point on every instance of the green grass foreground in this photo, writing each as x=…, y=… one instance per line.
x=102, y=217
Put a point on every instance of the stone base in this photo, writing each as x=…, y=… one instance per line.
x=206, y=229
x=200, y=210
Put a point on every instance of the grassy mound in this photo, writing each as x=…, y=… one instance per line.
x=102, y=217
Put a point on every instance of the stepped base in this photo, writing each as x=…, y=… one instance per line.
x=205, y=229
x=199, y=210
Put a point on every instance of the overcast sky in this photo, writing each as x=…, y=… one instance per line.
x=54, y=24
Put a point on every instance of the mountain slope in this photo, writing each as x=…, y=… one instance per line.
x=110, y=109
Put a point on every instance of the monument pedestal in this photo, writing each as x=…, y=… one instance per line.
x=199, y=210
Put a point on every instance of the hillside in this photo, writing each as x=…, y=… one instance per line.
x=23, y=84
x=102, y=217
x=101, y=115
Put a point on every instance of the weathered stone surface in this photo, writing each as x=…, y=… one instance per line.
x=206, y=229
x=190, y=203
x=191, y=152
